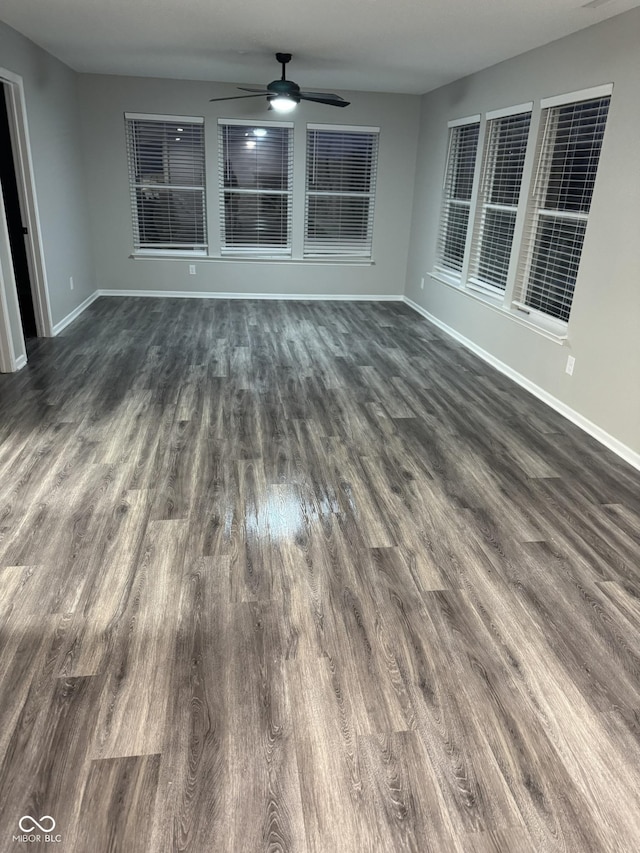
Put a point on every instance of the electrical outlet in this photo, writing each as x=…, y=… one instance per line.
x=192, y=269
x=422, y=283
x=70, y=282
x=570, y=363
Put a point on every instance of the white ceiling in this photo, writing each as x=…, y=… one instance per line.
x=409, y=46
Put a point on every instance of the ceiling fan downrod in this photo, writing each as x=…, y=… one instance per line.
x=283, y=58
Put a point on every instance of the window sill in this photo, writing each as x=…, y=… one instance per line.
x=447, y=277
x=169, y=253
x=558, y=336
x=250, y=259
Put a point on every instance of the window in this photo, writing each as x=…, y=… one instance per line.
x=517, y=241
x=166, y=180
x=458, y=187
x=569, y=151
x=340, y=191
x=256, y=176
x=506, y=145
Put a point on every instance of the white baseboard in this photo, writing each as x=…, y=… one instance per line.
x=75, y=313
x=576, y=418
x=289, y=297
x=21, y=362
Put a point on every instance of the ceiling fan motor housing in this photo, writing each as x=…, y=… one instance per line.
x=283, y=87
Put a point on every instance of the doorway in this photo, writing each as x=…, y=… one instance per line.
x=16, y=228
x=25, y=311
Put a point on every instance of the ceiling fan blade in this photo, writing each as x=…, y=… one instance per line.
x=237, y=97
x=252, y=89
x=330, y=99
x=322, y=95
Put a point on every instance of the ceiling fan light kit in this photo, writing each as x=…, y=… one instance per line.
x=284, y=103
x=284, y=95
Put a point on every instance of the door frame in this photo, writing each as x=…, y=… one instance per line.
x=13, y=352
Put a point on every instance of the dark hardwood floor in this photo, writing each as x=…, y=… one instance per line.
x=308, y=577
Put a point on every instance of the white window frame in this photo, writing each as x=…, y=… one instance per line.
x=344, y=250
x=487, y=175
x=536, y=212
x=449, y=274
x=141, y=247
x=265, y=251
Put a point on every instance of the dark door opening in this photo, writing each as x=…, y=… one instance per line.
x=15, y=226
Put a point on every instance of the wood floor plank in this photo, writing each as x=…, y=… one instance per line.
x=29, y=655
x=117, y=804
x=499, y=841
x=136, y=693
x=193, y=806
x=264, y=773
x=110, y=561
x=626, y=602
x=405, y=803
x=44, y=765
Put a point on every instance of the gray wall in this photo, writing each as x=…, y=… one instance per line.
x=105, y=99
x=53, y=118
x=604, y=329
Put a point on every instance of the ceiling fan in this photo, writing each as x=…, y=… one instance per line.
x=284, y=95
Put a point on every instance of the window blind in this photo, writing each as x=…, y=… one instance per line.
x=340, y=191
x=569, y=151
x=457, y=191
x=167, y=183
x=256, y=177
x=503, y=165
